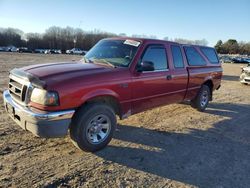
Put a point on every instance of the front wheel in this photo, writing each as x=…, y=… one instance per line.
x=92, y=127
x=201, y=101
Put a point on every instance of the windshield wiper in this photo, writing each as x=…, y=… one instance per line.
x=103, y=61
x=84, y=60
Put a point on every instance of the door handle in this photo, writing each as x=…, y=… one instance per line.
x=169, y=77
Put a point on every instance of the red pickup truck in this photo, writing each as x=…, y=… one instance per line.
x=118, y=76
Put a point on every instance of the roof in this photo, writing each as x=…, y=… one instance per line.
x=143, y=40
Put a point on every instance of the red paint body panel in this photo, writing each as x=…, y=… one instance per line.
x=78, y=82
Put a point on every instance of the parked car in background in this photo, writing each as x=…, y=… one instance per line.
x=3, y=49
x=7, y=48
x=10, y=48
x=24, y=50
x=240, y=60
x=234, y=59
x=75, y=51
x=14, y=49
x=245, y=75
x=52, y=51
x=47, y=51
x=226, y=59
x=247, y=60
x=55, y=51
x=39, y=51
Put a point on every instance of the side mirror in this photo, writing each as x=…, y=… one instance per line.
x=146, y=66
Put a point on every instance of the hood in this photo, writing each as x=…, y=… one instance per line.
x=51, y=74
x=43, y=71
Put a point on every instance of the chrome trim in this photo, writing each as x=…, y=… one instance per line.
x=162, y=70
x=19, y=80
x=49, y=116
x=28, y=91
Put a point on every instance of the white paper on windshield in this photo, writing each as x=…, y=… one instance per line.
x=132, y=43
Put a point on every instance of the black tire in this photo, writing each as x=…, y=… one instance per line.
x=244, y=83
x=201, y=101
x=81, y=126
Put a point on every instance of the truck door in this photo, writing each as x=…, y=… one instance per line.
x=179, y=72
x=154, y=88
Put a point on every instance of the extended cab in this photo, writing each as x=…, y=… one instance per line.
x=118, y=76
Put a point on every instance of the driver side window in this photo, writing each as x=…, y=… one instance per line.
x=157, y=55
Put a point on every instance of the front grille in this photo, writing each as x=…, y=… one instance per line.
x=17, y=90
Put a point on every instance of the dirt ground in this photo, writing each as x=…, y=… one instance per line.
x=171, y=146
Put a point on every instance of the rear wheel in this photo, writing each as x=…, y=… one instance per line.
x=92, y=127
x=201, y=101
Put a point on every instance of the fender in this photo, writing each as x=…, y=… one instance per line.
x=99, y=93
x=208, y=78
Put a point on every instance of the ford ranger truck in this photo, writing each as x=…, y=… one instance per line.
x=117, y=77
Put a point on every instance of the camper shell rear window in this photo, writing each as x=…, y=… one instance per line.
x=210, y=54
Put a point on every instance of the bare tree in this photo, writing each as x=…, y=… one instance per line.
x=202, y=42
x=68, y=37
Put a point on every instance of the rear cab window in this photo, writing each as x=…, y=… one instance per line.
x=177, y=56
x=194, y=58
x=210, y=54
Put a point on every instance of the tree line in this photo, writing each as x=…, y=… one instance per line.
x=53, y=38
x=11, y=36
x=66, y=38
x=232, y=46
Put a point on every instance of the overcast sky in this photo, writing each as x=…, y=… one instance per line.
x=189, y=19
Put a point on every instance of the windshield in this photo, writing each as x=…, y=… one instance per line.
x=113, y=52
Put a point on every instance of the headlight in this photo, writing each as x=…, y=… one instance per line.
x=46, y=98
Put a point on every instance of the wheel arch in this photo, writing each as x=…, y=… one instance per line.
x=210, y=84
x=103, y=96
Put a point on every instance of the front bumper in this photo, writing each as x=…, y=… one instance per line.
x=43, y=124
x=245, y=80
